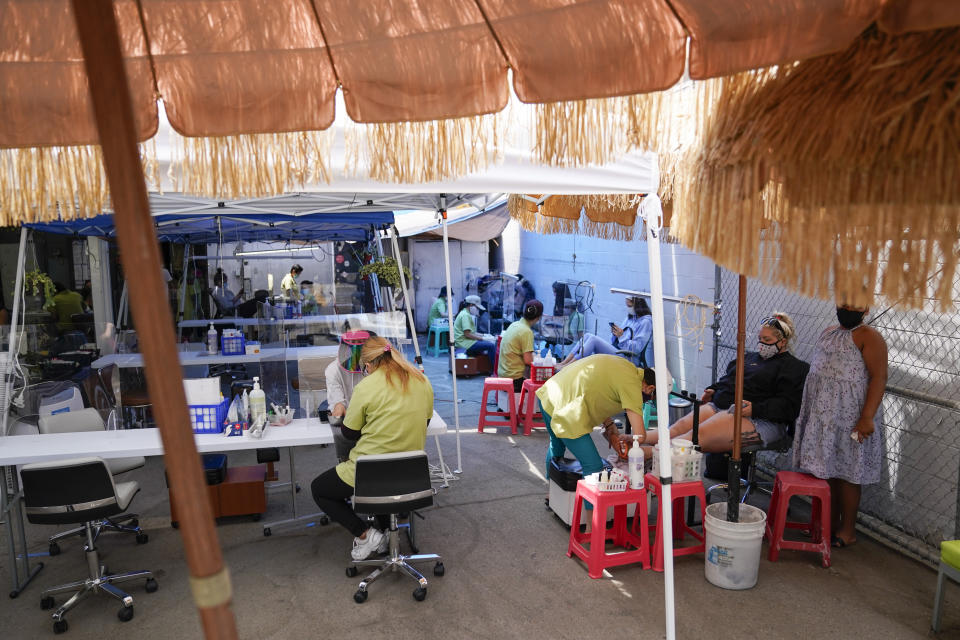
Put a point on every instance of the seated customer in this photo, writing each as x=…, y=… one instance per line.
x=586, y=394
x=342, y=376
x=388, y=413
x=773, y=381
x=465, y=334
x=634, y=336
x=516, y=347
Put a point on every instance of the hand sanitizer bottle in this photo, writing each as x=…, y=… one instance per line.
x=258, y=401
x=212, y=340
x=635, y=464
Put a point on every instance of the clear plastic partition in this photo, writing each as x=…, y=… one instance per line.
x=274, y=371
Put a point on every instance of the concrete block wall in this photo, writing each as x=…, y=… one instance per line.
x=544, y=259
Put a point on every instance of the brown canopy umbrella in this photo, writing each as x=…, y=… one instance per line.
x=256, y=68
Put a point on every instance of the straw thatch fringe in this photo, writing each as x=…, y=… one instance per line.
x=593, y=132
x=849, y=161
x=612, y=216
x=252, y=165
x=416, y=152
x=49, y=183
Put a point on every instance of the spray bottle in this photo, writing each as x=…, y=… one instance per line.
x=258, y=402
x=635, y=463
x=212, y=340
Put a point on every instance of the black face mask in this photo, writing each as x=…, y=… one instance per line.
x=849, y=319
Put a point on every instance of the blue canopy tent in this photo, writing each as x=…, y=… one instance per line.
x=209, y=228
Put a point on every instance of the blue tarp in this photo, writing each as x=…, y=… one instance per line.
x=200, y=228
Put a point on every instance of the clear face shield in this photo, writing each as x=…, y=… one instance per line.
x=351, y=344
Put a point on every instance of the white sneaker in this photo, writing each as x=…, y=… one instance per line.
x=363, y=549
x=384, y=544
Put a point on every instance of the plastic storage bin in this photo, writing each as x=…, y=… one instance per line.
x=540, y=373
x=233, y=345
x=209, y=418
x=687, y=465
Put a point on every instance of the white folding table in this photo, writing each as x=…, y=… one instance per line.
x=24, y=449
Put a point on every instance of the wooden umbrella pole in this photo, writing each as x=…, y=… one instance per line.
x=140, y=257
x=733, y=472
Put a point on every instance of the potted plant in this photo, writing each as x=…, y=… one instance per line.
x=38, y=290
x=386, y=271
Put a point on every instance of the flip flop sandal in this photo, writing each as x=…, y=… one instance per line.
x=840, y=543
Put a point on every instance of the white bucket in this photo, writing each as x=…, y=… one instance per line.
x=733, y=548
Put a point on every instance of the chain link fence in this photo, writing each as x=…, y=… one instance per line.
x=916, y=504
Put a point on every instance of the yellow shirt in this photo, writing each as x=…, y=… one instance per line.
x=587, y=391
x=67, y=303
x=388, y=419
x=517, y=341
x=289, y=287
x=464, y=322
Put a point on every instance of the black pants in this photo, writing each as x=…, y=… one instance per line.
x=331, y=494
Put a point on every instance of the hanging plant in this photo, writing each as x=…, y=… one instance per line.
x=36, y=282
x=386, y=271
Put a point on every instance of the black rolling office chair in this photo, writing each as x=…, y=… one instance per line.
x=80, y=491
x=391, y=484
x=90, y=420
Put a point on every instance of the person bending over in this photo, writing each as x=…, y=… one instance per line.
x=388, y=413
x=634, y=336
x=586, y=394
x=465, y=334
x=516, y=347
x=772, y=389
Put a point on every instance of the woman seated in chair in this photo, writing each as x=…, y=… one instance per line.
x=633, y=338
x=388, y=413
x=516, y=347
x=772, y=390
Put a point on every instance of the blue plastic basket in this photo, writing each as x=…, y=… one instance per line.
x=209, y=418
x=233, y=345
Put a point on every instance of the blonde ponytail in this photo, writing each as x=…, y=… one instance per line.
x=379, y=353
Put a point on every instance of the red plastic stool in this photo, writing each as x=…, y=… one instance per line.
x=787, y=485
x=527, y=408
x=595, y=556
x=495, y=385
x=680, y=491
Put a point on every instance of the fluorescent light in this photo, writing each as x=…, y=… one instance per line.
x=266, y=251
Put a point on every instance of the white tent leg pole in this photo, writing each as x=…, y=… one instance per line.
x=13, y=346
x=183, y=291
x=122, y=312
x=453, y=370
x=406, y=297
x=652, y=213
x=10, y=491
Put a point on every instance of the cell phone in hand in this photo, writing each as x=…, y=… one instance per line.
x=613, y=324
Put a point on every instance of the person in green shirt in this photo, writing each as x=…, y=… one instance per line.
x=388, y=413
x=438, y=310
x=585, y=394
x=465, y=334
x=66, y=303
x=516, y=346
